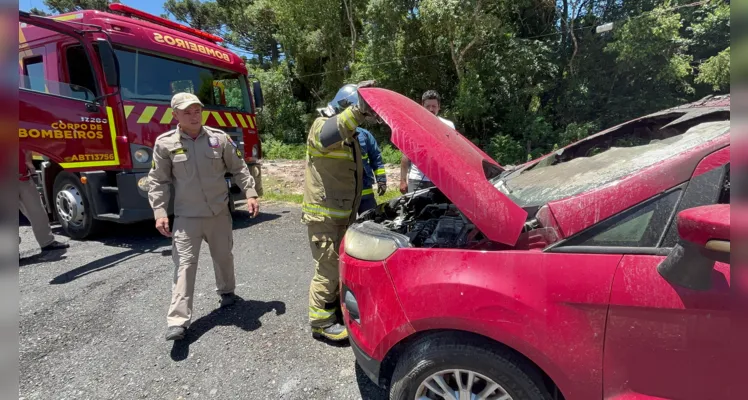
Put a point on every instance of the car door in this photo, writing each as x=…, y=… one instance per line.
x=664, y=341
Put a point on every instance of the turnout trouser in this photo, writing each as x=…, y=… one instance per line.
x=367, y=203
x=187, y=236
x=324, y=240
x=32, y=208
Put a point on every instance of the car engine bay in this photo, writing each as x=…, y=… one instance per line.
x=428, y=219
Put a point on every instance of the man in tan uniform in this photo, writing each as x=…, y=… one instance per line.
x=332, y=194
x=31, y=205
x=194, y=158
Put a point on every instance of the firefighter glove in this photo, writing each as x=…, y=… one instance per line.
x=381, y=188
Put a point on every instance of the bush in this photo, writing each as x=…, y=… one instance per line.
x=273, y=149
x=390, y=154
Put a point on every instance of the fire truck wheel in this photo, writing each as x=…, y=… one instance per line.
x=72, y=209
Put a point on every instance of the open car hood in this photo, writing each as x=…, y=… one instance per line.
x=453, y=163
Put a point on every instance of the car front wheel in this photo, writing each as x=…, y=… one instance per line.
x=455, y=368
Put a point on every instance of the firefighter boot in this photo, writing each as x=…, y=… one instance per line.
x=335, y=332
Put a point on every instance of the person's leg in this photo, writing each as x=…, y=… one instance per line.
x=220, y=238
x=323, y=290
x=32, y=208
x=367, y=203
x=187, y=237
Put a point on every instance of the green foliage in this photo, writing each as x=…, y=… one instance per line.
x=505, y=150
x=390, y=194
x=518, y=78
x=274, y=149
x=36, y=11
x=66, y=6
x=575, y=132
x=716, y=71
x=282, y=116
x=390, y=154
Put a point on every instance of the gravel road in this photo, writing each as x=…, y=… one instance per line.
x=92, y=321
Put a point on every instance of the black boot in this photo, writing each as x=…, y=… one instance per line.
x=55, y=245
x=335, y=332
x=228, y=299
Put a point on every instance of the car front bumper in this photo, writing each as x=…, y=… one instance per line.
x=370, y=366
x=371, y=311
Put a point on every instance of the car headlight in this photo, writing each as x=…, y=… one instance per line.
x=143, y=183
x=142, y=156
x=256, y=151
x=370, y=241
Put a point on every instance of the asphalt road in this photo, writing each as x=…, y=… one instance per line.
x=92, y=321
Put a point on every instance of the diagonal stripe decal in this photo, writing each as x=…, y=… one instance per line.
x=168, y=116
x=147, y=115
x=231, y=120
x=206, y=114
x=251, y=120
x=218, y=118
x=128, y=110
x=241, y=120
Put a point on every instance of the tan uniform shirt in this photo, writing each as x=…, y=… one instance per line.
x=196, y=168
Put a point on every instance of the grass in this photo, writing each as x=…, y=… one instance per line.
x=389, y=195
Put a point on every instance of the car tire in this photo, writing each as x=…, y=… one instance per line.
x=83, y=224
x=435, y=353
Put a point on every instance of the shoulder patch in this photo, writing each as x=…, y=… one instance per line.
x=231, y=142
x=213, y=141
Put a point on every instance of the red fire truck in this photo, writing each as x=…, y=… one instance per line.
x=95, y=91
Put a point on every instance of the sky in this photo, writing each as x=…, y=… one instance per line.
x=155, y=7
x=150, y=6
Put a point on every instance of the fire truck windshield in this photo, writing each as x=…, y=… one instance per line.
x=149, y=78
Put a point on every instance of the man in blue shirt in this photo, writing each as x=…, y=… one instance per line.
x=373, y=166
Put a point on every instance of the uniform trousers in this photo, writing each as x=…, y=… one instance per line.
x=188, y=234
x=32, y=208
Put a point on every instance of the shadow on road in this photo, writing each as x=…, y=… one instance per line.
x=138, y=239
x=243, y=220
x=49, y=256
x=244, y=314
x=367, y=388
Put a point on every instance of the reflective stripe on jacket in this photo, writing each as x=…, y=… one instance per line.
x=372, y=157
x=332, y=180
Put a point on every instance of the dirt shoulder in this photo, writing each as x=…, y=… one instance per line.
x=287, y=176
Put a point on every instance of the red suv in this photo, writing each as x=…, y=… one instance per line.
x=598, y=271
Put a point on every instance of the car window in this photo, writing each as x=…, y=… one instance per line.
x=39, y=69
x=712, y=187
x=640, y=226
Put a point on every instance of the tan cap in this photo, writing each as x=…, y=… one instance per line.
x=180, y=101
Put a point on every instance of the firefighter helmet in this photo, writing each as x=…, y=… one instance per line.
x=347, y=96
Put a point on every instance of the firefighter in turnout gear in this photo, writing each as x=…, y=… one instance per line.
x=332, y=194
x=373, y=167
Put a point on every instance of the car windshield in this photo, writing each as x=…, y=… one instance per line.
x=146, y=77
x=610, y=156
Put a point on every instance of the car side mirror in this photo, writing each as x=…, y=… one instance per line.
x=108, y=63
x=257, y=90
x=704, y=239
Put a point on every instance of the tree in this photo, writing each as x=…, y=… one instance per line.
x=716, y=71
x=66, y=6
x=205, y=16
x=36, y=11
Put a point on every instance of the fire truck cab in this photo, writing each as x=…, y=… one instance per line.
x=95, y=91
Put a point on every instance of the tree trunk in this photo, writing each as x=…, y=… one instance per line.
x=349, y=12
x=274, y=52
